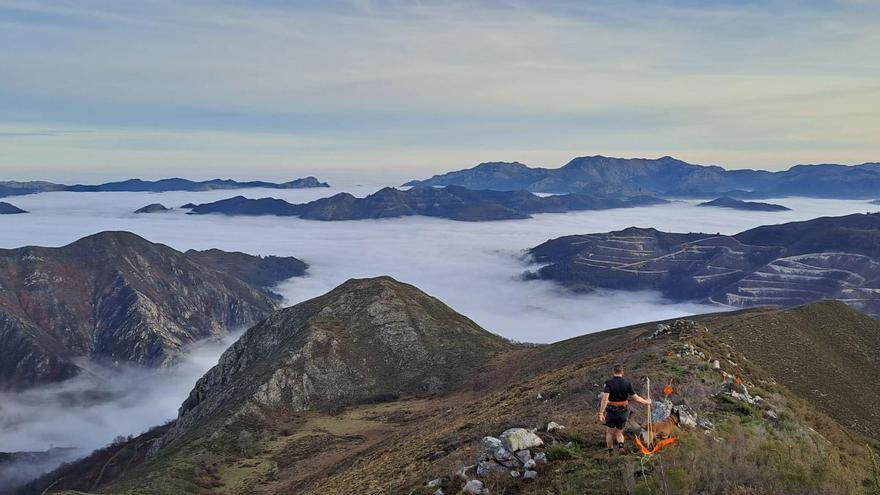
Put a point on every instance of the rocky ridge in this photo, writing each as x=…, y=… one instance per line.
x=115, y=297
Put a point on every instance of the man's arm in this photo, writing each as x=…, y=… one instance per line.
x=640, y=400
x=602, y=407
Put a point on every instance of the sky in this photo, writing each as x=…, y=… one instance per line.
x=97, y=90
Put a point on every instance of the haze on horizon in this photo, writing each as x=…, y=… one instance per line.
x=96, y=90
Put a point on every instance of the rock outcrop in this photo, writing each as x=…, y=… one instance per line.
x=119, y=298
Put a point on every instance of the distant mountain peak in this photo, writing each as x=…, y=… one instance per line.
x=114, y=296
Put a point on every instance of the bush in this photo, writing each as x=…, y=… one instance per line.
x=558, y=453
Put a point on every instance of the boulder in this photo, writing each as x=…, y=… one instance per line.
x=540, y=458
x=529, y=464
x=685, y=416
x=488, y=468
x=530, y=475
x=520, y=439
x=473, y=487
x=659, y=411
x=493, y=448
x=523, y=456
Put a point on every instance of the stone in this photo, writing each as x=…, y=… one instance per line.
x=512, y=463
x=439, y=492
x=659, y=411
x=523, y=455
x=540, y=458
x=473, y=487
x=716, y=365
x=530, y=464
x=530, y=475
x=553, y=426
x=462, y=472
x=685, y=416
x=493, y=448
x=514, y=474
x=705, y=424
x=519, y=438
x=435, y=482
x=771, y=414
x=488, y=468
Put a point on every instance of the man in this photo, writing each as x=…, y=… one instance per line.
x=613, y=411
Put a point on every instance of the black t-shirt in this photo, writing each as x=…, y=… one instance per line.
x=618, y=389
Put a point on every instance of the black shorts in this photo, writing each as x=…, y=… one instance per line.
x=616, y=416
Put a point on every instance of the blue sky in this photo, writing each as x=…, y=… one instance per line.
x=92, y=90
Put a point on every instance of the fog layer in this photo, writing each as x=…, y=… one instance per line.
x=473, y=267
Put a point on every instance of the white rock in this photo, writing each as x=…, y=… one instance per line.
x=530, y=464
x=553, y=426
x=514, y=474
x=434, y=482
x=519, y=439
x=473, y=487
x=530, y=475
x=439, y=492
x=540, y=458
x=716, y=365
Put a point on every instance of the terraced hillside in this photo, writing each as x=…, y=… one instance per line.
x=780, y=265
x=752, y=424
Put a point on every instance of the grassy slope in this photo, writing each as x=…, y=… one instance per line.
x=395, y=447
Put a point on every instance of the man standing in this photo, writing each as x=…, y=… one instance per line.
x=614, y=411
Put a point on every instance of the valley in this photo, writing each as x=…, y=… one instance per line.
x=419, y=430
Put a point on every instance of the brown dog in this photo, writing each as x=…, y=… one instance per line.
x=665, y=428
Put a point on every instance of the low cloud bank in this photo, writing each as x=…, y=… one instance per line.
x=476, y=268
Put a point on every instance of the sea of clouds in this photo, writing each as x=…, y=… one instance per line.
x=475, y=268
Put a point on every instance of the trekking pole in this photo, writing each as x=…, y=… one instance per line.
x=650, y=416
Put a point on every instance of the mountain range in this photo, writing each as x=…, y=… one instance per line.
x=785, y=265
x=378, y=388
x=453, y=202
x=115, y=297
x=16, y=188
x=666, y=176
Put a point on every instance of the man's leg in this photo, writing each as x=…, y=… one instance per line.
x=618, y=434
x=609, y=438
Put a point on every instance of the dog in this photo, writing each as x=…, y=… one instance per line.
x=665, y=428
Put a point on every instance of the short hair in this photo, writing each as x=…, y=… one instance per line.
x=618, y=369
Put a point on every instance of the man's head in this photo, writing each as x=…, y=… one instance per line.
x=618, y=370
